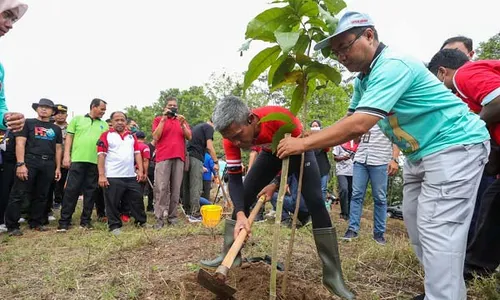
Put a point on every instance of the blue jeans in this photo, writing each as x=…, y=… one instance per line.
x=288, y=206
x=378, y=178
x=324, y=185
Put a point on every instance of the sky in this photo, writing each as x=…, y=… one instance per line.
x=72, y=51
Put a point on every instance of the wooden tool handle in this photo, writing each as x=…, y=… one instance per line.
x=238, y=243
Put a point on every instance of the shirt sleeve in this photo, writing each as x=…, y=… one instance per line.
x=156, y=121
x=477, y=83
x=209, y=132
x=336, y=150
x=59, y=138
x=137, y=147
x=102, y=143
x=355, y=96
x=25, y=131
x=72, y=126
x=3, y=110
x=233, y=157
x=146, y=153
x=386, y=84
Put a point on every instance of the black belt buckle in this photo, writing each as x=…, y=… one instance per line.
x=44, y=157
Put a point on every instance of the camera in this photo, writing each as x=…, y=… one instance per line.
x=172, y=113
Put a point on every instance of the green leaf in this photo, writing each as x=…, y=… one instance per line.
x=279, y=75
x=264, y=24
x=317, y=23
x=260, y=63
x=302, y=44
x=330, y=21
x=308, y=9
x=326, y=52
x=280, y=134
x=334, y=6
x=328, y=72
x=302, y=59
x=297, y=99
x=294, y=77
x=286, y=40
x=274, y=67
x=278, y=116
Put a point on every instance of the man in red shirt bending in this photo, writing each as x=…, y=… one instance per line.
x=170, y=132
x=477, y=83
x=242, y=128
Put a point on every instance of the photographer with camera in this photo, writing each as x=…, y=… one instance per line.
x=170, y=132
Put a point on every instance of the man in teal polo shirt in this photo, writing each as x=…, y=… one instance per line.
x=80, y=156
x=446, y=146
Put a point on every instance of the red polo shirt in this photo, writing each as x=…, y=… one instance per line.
x=477, y=84
x=172, y=142
x=265, y=137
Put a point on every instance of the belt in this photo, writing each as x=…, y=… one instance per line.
x=41, y=156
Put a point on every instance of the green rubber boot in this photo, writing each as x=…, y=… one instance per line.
x=328, y=251
x=228, y=242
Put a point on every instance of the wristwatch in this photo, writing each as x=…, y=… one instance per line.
x=395, y=160
x=19, y=164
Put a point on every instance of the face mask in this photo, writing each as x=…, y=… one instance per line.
x=315, y=128
x=133, y=129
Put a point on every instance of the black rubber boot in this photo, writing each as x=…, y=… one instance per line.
x=328, y=251
x=228, y=242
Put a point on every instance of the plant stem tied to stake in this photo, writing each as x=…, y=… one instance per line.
x=277, y=226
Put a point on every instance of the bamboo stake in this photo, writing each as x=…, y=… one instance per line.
x=284, y=283
x=277, y=226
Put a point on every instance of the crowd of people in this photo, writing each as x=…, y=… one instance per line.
x=399, y=105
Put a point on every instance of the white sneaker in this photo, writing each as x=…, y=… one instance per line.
x=271, y=214
x=116, y=231
x=52, y=218
x=3, y=228
x=21, y=220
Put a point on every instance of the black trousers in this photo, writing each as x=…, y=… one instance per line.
x=40, y=176
x=116, y=192
x=483, y=251
x=56, y=191
x=100, y=206
x=150, y=191
x=7, y=174
x=82, y=176
x=345, y=194
x=207, y=187
x=266, y=167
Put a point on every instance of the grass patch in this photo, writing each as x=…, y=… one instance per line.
x=153, y=264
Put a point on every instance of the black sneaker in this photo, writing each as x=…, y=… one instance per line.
x=15, y=232
x=62, y=228
x=40, y=228
x=56, y=206
x=159, y=224
x=379, y=238
x=87, y=226
x=350, y=235
x=259, y=218
x=419, y=297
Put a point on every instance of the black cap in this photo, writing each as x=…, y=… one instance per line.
x=140, y=135
x=45, y=102
x=61, y=108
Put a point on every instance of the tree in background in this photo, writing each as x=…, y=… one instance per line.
x=489, y=49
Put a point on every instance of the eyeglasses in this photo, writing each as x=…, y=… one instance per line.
x=9, y=15
x=344, y=50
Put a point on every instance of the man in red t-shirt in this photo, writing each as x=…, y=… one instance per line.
x=242, y=129
x=170, y=131
x=477, y=83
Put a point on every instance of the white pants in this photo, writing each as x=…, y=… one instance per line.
x=438, y=201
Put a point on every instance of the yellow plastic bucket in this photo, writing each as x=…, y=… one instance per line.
x=211, y=215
